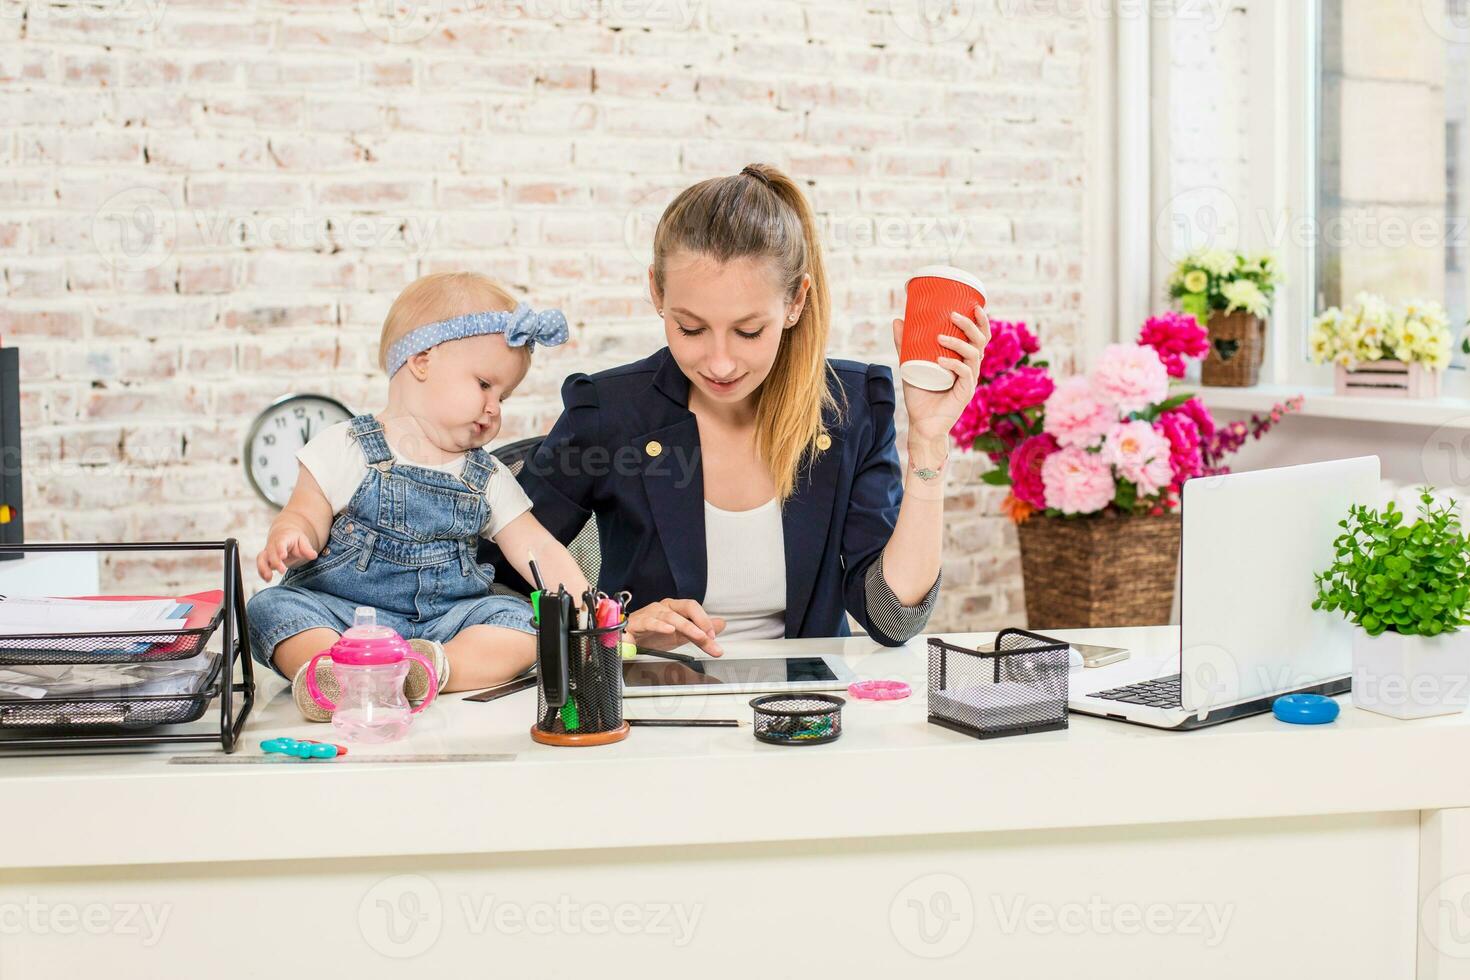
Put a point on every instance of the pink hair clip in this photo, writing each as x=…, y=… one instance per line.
x=879, y=690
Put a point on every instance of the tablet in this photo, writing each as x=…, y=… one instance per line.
x=754, y=675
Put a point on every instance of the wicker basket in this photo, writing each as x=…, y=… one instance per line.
x=1099, y=571
x=1237, y=348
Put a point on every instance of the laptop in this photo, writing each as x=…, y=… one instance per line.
x=1252, y=544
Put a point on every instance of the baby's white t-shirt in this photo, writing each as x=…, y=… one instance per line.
x=339, y=466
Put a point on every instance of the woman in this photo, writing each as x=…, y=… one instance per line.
x=744, y=485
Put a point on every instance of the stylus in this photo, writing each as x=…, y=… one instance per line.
x=683, y=658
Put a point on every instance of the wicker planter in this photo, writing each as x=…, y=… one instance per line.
x=1388, y=379
x=1237, y=348
x=1099, y=571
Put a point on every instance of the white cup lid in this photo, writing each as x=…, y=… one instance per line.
x=949, y=272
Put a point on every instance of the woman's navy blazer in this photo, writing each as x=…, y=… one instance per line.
x=627, y=449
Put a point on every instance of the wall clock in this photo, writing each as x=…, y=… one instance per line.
x=277, y=432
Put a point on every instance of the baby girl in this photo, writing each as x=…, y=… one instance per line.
x=388, y=508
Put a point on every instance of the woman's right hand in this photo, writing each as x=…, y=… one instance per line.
x=670, y=623
x=286, y=548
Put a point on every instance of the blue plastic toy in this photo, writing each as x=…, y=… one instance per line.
x=1304, y=709
x=302, y=748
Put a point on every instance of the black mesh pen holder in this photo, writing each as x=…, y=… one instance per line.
x=593, y=713
x=798, y=719
x=1016, y=688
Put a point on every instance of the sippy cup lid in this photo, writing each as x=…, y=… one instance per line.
x=367, y=644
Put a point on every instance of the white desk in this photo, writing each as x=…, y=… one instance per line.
x=1104, y=850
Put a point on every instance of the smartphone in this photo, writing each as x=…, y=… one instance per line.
x=1096, y=656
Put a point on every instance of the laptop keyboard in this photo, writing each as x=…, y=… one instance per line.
x=1161, y=692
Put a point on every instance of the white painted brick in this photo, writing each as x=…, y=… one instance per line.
x=485, y=145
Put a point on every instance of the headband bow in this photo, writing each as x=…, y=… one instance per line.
x=522, y=326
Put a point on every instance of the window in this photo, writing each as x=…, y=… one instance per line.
x=1392, y=103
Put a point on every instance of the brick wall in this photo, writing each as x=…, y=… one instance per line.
x=206, y=205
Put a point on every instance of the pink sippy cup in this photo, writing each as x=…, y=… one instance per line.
x=370, y=663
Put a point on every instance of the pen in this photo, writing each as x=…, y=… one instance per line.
x=536, y=573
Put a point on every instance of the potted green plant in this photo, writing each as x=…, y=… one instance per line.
x=1405, y=585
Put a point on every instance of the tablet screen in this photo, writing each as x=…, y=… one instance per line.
x=671, y=673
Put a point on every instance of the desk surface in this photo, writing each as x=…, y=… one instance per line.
x=891, y=773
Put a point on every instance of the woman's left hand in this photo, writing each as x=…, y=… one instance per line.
x=933, y=413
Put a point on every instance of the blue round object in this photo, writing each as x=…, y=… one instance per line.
x=1304, y=709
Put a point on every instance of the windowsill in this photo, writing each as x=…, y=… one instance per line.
x=1445, y=411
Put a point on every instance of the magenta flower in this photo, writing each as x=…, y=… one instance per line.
x=1184, y=445
x=1175, y=336
x=1023, y=388
x=1026, y=462
x=1203, y=420
x=973, y=422
x=1009, y=344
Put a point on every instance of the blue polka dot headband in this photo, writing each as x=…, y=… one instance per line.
x=522, y=327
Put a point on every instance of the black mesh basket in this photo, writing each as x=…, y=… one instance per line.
x=1016, y=688
x=798, y=719
x=595, y=704
x=44, y=649
x=113, y=712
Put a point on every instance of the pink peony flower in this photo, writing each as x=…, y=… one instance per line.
x=973, y=422
x=1077, y=481
x=1026, y=462
x=1021, y=389
x=1175, y=336
x=1141, y=455
x=1184, y=445
x=1076, y=416
x=1131, y=377
x=1009, y=343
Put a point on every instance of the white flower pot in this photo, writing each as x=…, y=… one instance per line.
x=1411, y=676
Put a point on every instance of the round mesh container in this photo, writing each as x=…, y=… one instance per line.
x=798, y=719
x=593, y=714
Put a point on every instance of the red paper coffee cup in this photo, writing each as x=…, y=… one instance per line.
x=934, y=292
